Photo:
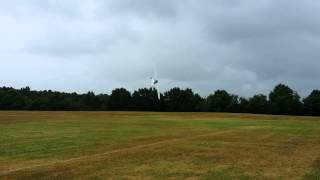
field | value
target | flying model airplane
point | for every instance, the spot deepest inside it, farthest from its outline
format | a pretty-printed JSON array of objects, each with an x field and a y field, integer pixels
[{"x": 155, "y": 81}]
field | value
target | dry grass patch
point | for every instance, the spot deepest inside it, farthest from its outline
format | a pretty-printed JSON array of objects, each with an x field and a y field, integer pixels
[{"x": 134, "y": 145}]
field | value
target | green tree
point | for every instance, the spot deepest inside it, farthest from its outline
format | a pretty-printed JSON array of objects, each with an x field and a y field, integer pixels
[
  {"x": 258, "y": 104},
  {"x": 91, "y": 101},
  {"x": 284, "y": 100},
  {"x": 104, "y": 99},
  {"x": 120, "y": 100},
  {"x": 312, "y": 104},
  {"x": 199, "y": 103},
  {"x": 243, "y": 105},
  {"x": 181, "y": 100},
  {"x": 222, "y": 101},
  {"x": 145, "y": 99}
]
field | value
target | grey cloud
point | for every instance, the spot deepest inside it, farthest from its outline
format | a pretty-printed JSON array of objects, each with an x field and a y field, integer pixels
[
  {"x": 245, "y": 46},
  {"x": 62, "y": 42},
  {"x": 143, "y": 8},
  {"x": 279, "y": 38}
]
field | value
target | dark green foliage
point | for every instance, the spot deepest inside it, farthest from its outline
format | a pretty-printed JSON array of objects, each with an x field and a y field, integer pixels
[
  {"x": 104, "y": 100},
  {"x": 243, "y": 105},
  {"x": 258, "y": 104},
  {"x": 199, "y": 103},
  {"x": 91, "y": 101},
  {"x": 120, "y": 99},
  {"x": 222, "y": 101},
  {"x": 282, "y": 100},
  {"x": 11, "y": 99},
  {"x": 181, "y": 100},
  {"x": 146, "y": 100},
  {"x": 312, "y": 103},
  {"x": 25, "y": 99}
]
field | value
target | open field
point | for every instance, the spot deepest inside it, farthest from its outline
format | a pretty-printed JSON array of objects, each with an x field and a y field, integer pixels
[{"x": 134, "y": 145}]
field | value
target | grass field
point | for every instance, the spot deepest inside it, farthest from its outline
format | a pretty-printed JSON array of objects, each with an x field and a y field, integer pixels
[{"x": 134, "y": 145}]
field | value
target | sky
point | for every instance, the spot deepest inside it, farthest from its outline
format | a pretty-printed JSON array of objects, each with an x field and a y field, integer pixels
[{"x": 243, "y": 46}]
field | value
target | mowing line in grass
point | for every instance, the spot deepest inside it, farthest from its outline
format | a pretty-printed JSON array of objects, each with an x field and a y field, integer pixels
[{"x": 113, "y": 152}]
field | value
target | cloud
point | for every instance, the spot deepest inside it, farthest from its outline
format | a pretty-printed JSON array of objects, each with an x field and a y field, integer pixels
[{"x": 245, "y": 46}]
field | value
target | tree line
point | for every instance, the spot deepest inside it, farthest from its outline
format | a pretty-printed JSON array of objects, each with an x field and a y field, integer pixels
[{"x": 281, "y": 100}]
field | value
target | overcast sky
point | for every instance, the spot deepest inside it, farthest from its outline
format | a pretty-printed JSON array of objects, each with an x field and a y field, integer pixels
[{"x": 243, "y": 46}]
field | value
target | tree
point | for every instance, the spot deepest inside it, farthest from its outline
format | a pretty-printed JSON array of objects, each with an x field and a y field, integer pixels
[
  {"x": 258, "y": 104},
  {"x": 120, "y": 100},
  {"x": 91, "y": 101},
  {"x": 234, "y": 103},
  {"x": 222, "y": 101},
  {"x": 284, "y": 100},
  {"x": 12, "y": 99},
  {"x": 180, "y": 100},
  {"x": 199, "y": 103},
  {"x": 243, "y": 105},
  {"x": 104, "y": 99},
  {"x": 145, "y": 99},
  {"x": 312, "y": 103}
]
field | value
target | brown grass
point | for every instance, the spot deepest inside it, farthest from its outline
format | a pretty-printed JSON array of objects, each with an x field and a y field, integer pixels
[{"x": 262, "y": 147}]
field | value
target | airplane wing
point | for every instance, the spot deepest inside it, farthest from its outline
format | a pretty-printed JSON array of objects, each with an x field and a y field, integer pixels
[{"x": 158, "y": 92}]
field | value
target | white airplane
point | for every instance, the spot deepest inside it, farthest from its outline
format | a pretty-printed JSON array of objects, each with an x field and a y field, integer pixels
[{"x": 155, "y": 81}]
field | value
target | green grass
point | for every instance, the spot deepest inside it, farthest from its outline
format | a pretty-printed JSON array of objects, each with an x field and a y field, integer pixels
[{"x": 125, "y": 145}]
